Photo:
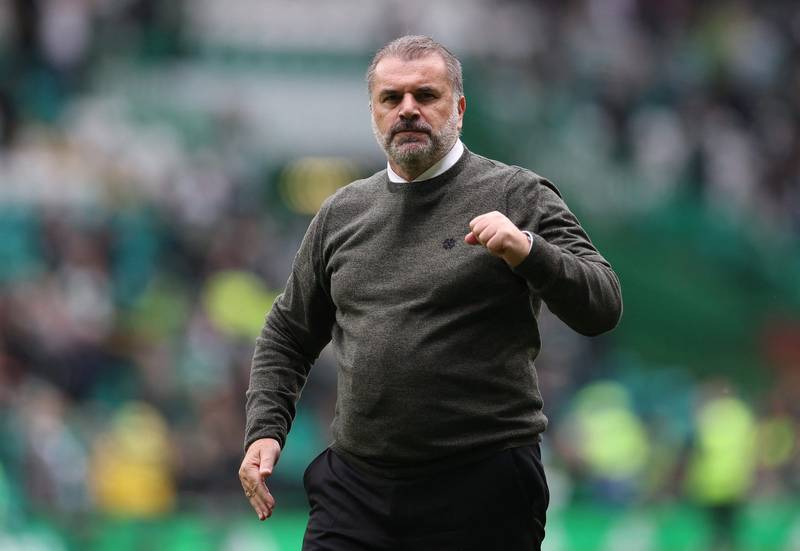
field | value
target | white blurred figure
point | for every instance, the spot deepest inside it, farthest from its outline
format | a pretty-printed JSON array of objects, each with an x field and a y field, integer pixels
[{"x": 65, "y": 32}]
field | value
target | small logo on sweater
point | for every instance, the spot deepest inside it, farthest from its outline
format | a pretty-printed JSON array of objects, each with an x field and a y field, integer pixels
[{"x": 449, "y": 243}]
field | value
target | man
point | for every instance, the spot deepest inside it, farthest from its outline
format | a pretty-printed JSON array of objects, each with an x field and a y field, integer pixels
[{"x": 438, "y": 413}]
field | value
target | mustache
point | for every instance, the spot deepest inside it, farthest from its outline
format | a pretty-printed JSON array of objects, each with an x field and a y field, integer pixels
[{"x": 410, "y": 126}]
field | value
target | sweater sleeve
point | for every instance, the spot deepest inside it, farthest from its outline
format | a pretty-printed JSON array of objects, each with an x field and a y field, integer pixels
[
  {"x": 563, "y": 267},
  {"x": 295, "y": 331}
]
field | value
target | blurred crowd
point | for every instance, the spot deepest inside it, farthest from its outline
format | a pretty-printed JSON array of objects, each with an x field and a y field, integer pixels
[
  {"x": 139, "y": 253},
  {"x": 660, "y": 98}
]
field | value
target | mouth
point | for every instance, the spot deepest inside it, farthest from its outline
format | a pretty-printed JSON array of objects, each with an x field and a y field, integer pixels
[{"x": 406, "y": 136}]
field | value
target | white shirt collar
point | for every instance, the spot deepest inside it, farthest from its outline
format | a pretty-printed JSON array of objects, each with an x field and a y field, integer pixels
[{"x": 444, "y": 164}]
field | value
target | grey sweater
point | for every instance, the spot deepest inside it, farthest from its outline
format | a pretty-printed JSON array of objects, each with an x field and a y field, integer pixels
[{"x": 435, "y": 339}]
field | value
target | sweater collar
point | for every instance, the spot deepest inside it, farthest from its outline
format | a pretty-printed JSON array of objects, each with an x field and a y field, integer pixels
[{"x": 430, "y": 185}]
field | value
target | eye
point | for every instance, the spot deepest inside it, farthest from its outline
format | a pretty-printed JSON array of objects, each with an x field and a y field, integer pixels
[
  {"x": 390, "y": 98},
  {"x": 426, "y": 96}
]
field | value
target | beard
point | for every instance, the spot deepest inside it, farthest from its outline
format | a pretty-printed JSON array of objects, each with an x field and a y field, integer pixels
[{"x": 415, "y": 152}]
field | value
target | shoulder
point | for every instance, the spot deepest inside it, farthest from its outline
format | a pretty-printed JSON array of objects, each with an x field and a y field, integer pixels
[
  {"x": 518, "y": 179},
  {"x": 354, "y": 197},
  {"x": 479, "y": 163},
  {"x": 527, "y": 181}
]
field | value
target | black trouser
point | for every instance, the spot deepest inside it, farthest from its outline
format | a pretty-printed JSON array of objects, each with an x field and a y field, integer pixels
[{"x": 497, "y": 503}]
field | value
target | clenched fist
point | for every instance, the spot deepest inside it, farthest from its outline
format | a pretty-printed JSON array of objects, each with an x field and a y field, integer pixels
[
  {"x": 500, "y": 237},
  {"x": 257, "y": 465}
]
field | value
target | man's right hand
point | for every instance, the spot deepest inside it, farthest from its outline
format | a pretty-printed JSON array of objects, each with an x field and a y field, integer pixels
[{"x": 257, "y": 465}]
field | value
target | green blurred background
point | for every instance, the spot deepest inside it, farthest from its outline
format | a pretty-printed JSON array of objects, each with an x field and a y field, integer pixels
[{"x": 160, "y": 161}]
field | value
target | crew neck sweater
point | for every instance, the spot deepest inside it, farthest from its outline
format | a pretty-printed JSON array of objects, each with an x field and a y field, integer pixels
[{"x": 434, "y": 339}]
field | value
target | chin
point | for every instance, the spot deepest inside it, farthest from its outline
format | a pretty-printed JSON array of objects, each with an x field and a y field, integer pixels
[
  {"x": 411, "y": 152},
  {"x": 414, "y": 146}
]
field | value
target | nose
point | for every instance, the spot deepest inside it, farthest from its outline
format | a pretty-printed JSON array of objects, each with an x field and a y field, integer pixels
[{"x": 409, "y": 108}]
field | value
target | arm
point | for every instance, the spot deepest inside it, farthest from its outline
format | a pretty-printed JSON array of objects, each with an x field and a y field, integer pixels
[
  {"x": 297, "y": 328},
  {"x": 560, "y": 264},
  {"x": 563, "y": 267}
]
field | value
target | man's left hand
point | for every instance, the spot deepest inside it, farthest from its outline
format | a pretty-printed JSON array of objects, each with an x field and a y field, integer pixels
[{"x": 500, "y": 237}]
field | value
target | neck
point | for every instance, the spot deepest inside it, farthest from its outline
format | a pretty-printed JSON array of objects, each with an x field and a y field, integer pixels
[{"x": 410, "y": 171}]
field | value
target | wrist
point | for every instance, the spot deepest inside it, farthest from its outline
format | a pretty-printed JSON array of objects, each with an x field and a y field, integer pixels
[
  {"x": 269, "y": 441},
  {"x": 529, "y": 235},
  {"x": 519, "y": 249}
]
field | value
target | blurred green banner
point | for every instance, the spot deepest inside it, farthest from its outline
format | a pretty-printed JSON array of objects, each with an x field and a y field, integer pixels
[{"x": 759, "y": 527}]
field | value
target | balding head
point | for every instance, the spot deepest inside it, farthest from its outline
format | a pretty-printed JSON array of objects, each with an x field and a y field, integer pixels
[{"x": 412, "y": 47}]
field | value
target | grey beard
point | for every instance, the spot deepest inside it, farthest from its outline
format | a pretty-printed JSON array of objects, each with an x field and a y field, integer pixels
[{"x": 418, "y": 158}]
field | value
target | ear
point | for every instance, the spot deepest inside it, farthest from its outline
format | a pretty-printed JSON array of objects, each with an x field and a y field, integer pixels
[{"x": 462, "y": 107}]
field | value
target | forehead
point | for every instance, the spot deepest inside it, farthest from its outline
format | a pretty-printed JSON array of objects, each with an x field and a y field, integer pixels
[{"x": 394, "y": 72}]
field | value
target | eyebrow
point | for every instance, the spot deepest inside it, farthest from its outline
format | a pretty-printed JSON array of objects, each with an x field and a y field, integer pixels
[
  {"x": 422, "y": 89},
  {"x": 427, "y": 90}
]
